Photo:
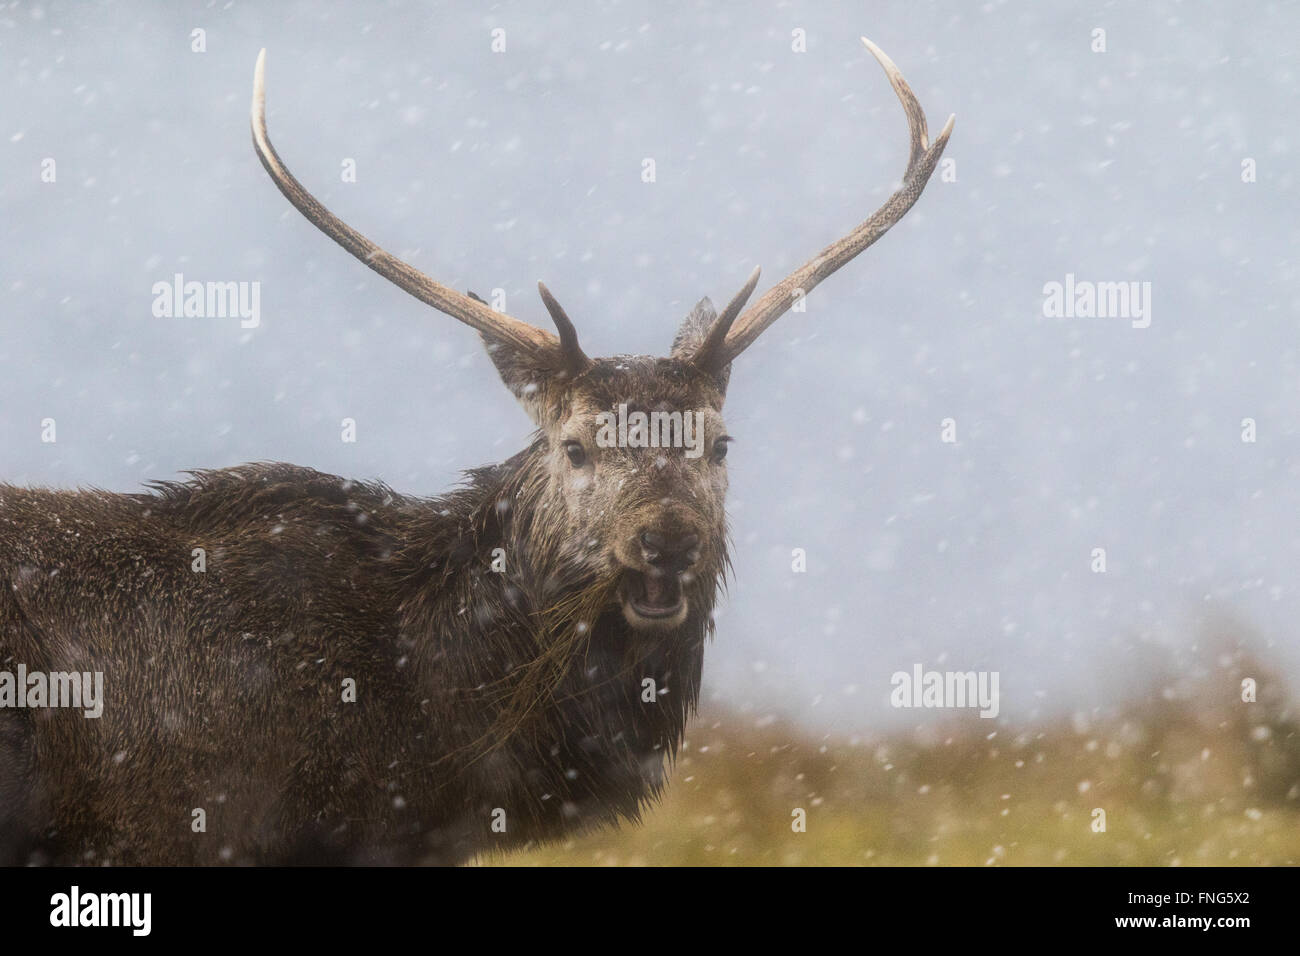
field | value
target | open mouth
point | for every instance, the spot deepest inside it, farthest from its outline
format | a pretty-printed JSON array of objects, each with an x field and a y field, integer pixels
[{"x": 652, "y": 597}]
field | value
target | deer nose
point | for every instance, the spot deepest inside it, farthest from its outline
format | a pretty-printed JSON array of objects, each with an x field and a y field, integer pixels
[{"x": 670, "y": 552}]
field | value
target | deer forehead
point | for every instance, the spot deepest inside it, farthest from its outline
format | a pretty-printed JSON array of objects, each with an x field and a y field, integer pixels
[
  {"x": 645, "y": 384},
  {"x": 695, "y": 424}
]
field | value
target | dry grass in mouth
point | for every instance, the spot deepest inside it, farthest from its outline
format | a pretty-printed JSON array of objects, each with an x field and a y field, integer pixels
[{"x": 563, "y": 637}]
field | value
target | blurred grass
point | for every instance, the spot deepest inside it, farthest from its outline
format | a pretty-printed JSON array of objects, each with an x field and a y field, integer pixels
[{"x": 1186, "y": 772}]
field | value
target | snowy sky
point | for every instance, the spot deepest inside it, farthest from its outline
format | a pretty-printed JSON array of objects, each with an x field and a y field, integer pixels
[{"x": 493, "y": 170}]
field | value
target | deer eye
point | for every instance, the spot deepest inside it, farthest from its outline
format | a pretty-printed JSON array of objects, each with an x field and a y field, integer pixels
[
  {"x": 720, "y": 448},
  {"x": 577, "y": 454}
]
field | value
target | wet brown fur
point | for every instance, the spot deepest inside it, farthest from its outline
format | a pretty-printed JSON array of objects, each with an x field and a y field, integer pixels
[{"x": 477, "y": 691}]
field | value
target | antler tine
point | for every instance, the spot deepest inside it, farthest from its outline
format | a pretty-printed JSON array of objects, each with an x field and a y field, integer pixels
[
  {"x": 477, "y": 315},
  {"x": 916, "y": 126},
  {"x": 711, "y": 355},
  {"x": 921, "y": 162},
  {"x": 575, "y": 359}
]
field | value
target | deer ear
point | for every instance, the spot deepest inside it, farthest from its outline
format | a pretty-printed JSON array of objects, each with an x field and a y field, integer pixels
[
  {"x": 536, "y": 380},
  {"x": 538, "y": 385},
  {"x": 692, "y": 333}
]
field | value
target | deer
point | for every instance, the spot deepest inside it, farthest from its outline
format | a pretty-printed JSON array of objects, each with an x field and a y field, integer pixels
[{"x": 349, "y": 675}]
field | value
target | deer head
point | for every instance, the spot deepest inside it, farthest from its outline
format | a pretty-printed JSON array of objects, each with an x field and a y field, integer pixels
[{"x": 648, "y": 517}]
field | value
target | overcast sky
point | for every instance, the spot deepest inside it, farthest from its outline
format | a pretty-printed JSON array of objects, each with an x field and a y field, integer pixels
[{"x": 491, "y": 170}]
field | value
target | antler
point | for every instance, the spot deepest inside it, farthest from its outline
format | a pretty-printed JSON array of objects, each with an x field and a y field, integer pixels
[
  {"x": 538, "y": 343},
  {"x": 741, "y": 333}
]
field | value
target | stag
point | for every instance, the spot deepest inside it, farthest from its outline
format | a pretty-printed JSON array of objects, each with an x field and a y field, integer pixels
[{"x": 359, "y": 676}]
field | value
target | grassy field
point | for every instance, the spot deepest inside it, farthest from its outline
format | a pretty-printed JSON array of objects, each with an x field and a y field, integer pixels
[{"x": 1185, "y": 776}]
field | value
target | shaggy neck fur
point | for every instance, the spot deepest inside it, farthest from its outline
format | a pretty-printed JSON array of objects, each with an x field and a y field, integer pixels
[{"x": 558, "y": 708}]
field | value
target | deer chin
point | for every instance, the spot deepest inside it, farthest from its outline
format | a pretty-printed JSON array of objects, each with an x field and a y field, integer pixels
[{"x": 652, "y": 601}]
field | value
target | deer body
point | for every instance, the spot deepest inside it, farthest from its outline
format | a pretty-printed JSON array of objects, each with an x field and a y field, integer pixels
[
  {"x": 301, "y": 668},
  {"x": 224, "y": 688}
]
